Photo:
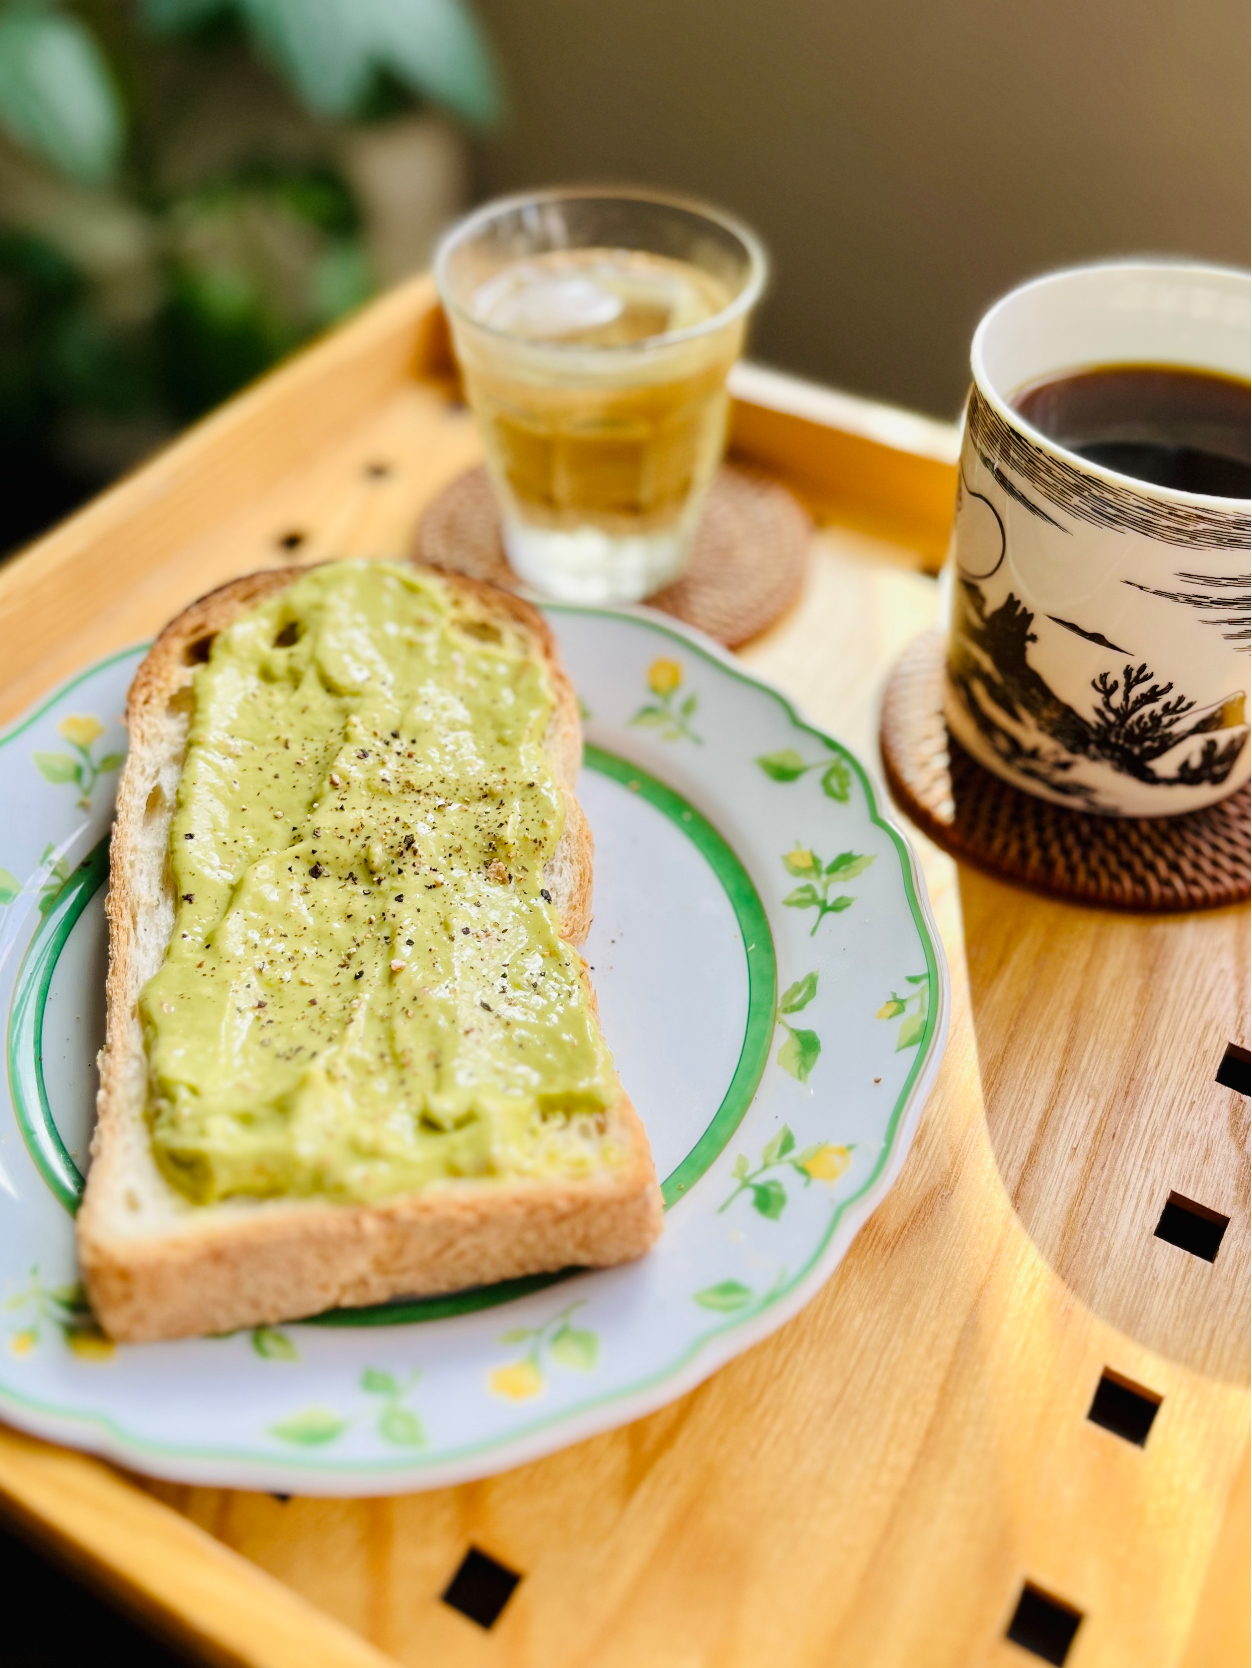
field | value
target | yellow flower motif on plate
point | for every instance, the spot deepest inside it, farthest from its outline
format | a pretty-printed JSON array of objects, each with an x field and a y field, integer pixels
[
  {"x": 664, "y": 676},
  {"x": 827, "y": 1163},
  {"x": 518, "y": 1381},
  {"x": 80, "y": 729},
  {"x": 801, "y": 861},
  {"x": 90, "y": 1345},
  {"x": 21, "y": 1343}
]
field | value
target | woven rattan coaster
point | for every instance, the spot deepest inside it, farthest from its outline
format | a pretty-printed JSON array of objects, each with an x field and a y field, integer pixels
[
  {"x": 747, "y": 559},
  {"x": 1195, "y": 861}
]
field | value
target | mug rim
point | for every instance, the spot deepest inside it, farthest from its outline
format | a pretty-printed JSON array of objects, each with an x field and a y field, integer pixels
[
  {"x": 758, "y": 264},
  {"x": 984, "y": 385}
]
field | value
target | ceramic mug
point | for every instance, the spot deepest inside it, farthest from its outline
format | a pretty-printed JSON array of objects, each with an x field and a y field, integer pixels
[{"x": 1098, "y": 643}]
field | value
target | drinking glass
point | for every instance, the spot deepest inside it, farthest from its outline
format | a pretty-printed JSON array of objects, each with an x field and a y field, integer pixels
[{"x": 595, "y": 330}]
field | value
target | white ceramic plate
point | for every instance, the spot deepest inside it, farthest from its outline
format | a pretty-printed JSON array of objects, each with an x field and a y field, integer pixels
[{"x": 773, "y": 989}]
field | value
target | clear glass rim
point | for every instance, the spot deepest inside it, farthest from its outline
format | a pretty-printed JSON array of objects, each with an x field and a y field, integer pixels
[{"x": 758, "y": 264}]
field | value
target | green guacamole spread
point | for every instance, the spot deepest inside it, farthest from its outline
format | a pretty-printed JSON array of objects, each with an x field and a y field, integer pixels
[{"x": 366, "y": 991}]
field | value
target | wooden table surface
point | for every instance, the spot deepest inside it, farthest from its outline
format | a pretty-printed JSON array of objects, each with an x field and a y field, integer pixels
[{"x": 872, "y": 1485}]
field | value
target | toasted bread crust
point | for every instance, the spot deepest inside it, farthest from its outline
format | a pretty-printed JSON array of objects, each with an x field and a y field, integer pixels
[{"x": 253, "y": 1262}]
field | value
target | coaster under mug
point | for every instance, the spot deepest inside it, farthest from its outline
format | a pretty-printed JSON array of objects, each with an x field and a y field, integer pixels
[
  {"x": 1152, "y": 864},
  {"x": 748, "y": 556}
]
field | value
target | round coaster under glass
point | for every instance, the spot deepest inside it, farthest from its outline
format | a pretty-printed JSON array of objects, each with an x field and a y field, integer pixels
[
  {"x": 1153, "y": 864},
  {"x": 748, "y": 556}
]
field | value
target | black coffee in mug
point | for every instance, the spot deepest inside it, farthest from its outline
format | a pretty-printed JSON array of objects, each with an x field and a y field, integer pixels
[{"x": 1165, "y": 424}]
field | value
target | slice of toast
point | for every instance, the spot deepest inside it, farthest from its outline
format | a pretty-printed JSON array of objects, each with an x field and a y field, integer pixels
[{"x": 157, "y": 1266}]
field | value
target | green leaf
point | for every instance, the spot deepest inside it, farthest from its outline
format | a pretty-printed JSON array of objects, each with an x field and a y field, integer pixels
[
  {"x": 911, "y": 1031},
  {"x": 836, "y": 906},
  {"x": 804, "y": 897},
  {"x": 57, "y": 767},
  {"x": 436, "y": 48},
  {"x": 57, "y": 97},
  {"x": 575, "y": 1348},
  {"x": 315, "y": 47},
  {"x": 688, "y": 705},
  {"x": 917, "y": 978},
  {"x": 778, "y": 1146},
  {"x": 837, "y": 782},
  {"x": 783, "y": 767},
  {"x": 111, "y": 761},
  {"x": 651, "y": 715},
  {"x": 799, "y": 1054},
  {"x": 272, "y": 1345},
  {"x": 741, "y": 1167},
  {"x": 770, "y": 1198},
  {"x": 398, "y": 1425},
  {"x": 726, "y": 1295},
  {"x": 331, "y": 50},
  {"x": 798, "y": 995},
  {"x": 848, "y": 865},
  {"x": 73, "y": 1299},
  {"x": 379, "y": 1383},
  {"x": 518, "y": 1335},
  {"x": 311, "y": 1428},
  {"x": 10, "y": 886}
]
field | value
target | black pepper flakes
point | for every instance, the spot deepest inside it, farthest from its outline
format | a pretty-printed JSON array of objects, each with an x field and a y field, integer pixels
[{"x": 189, "y": 897}]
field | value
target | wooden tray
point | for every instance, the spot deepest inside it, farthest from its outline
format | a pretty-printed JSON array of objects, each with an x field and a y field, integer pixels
[{"x": 874, "y": 1484}]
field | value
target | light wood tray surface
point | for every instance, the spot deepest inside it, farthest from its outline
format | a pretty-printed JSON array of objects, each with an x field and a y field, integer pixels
[{"x": 874, "y": 1483}]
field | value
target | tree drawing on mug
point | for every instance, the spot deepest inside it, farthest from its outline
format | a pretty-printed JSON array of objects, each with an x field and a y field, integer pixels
[{"x": 1137, "y": 725}]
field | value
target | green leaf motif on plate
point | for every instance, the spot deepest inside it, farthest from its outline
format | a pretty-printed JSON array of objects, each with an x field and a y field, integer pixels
[
  {"x": 399, "y": 1425},
  {"x": 801, "y": 1049},
  {"x": 554, "y": 1343},
  {"x": 912, "y": 1009},
  {"x": 823, "y": 1161},
  {"x": 667, "y": 714},
  {"x": 798, "y": 995},
  {"x": 787, "y": 765},
  {"x": 725, "y": 1297},
  {"x": 272, "y": 1345},
  {"x": 837, "y": 782},
  {"x": 770, "y": 1198},
  {"x": 82, "y": 731},
  {"x": 575, "y": 1347},
  {"x": 777, "y": 1147},
  {"x": 820, "y": 877},
  {"x": 379, "y": 1383},
  {"x": 57, "y": 767},
  {"x": 784, "y": 766},
  {"x": 800, "y": 1053},
  {"x": 312, "y": 1428},
  {"x": 10, "y": 886}
]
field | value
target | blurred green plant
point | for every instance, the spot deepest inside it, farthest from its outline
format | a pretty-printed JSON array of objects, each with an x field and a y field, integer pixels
[{"x": 176, "y": 207}]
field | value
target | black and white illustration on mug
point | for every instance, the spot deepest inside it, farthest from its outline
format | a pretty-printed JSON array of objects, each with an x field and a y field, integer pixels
[{"x": 1113, "y": 682}]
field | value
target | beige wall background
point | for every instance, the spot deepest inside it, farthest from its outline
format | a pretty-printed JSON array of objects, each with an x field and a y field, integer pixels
[{"x": 906, "y": 160}]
